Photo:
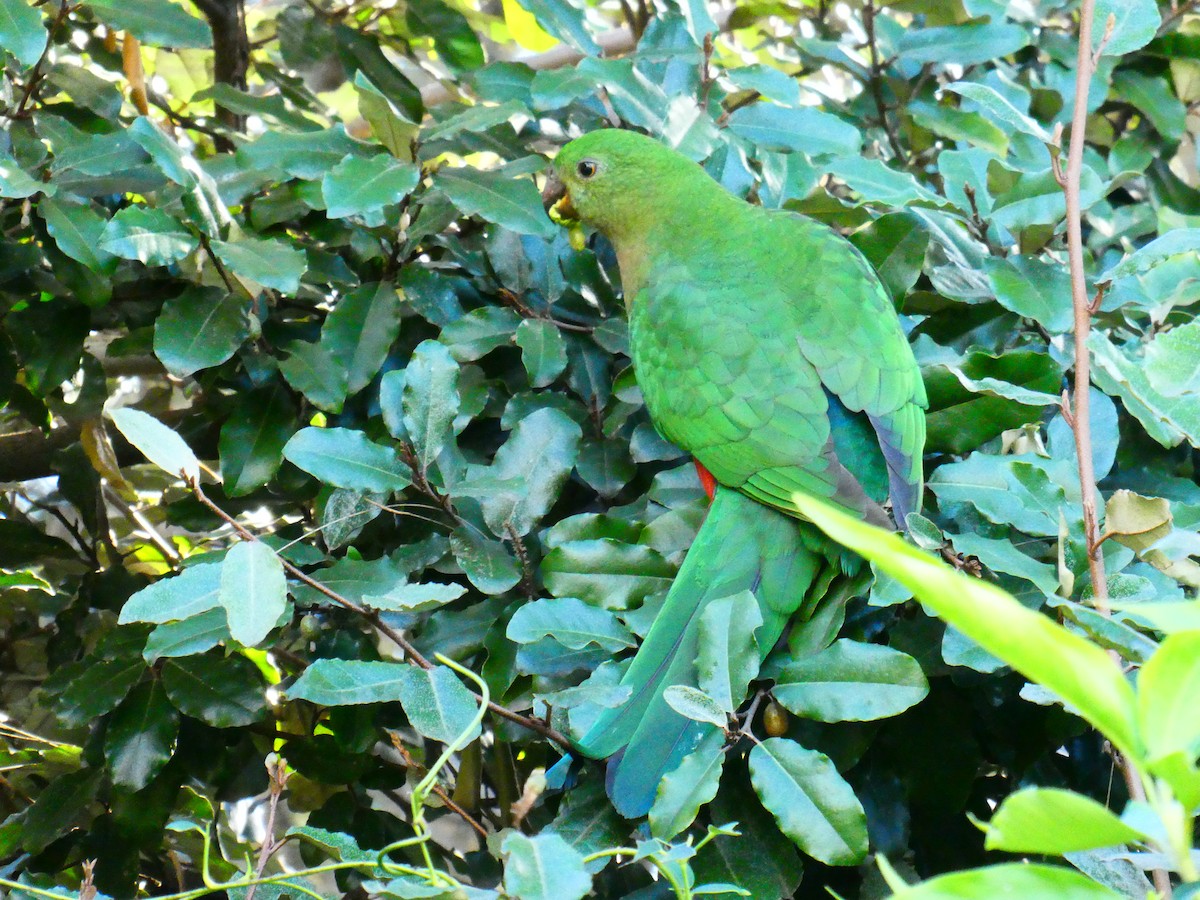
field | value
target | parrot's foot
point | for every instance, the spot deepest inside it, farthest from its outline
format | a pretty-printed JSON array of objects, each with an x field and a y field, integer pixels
[{"x": 962, "y": 562}]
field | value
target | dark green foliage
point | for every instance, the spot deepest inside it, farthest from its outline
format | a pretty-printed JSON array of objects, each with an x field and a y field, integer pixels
[{"x": 418, "y": 394}]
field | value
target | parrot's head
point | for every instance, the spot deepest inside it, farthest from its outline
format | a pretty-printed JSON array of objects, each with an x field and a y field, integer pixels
[{"x": 619, "y": 181}]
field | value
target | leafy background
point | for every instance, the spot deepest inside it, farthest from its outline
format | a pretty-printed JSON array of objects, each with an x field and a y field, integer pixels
[{"x": 318, "y": 256}]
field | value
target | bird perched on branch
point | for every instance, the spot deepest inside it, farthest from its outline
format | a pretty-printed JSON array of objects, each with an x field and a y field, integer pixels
[{"x": 766, "y": 346}]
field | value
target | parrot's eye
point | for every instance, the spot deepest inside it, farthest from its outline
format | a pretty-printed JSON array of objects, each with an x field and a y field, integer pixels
[{"x": 587, "y": 168}]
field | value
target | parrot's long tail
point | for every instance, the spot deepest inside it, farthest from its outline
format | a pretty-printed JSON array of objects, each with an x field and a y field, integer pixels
[{"x": 741, "y": 546}]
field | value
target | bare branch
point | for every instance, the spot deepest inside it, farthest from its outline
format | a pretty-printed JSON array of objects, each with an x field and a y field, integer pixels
[{"x": 1080, "y": 417}]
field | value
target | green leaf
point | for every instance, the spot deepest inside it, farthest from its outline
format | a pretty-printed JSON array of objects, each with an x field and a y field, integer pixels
[
  {"x": 1167, "y": 687},
  {"x": 1173, "y": 360},
  {"x": 545, "y": 442},
  {"x": 1155, "y": 99},
  {"x": 1033, "y": 289},
  {"x": 1035, "y": 198},
  {"x": 692, "y": 703},
  {"x": 77, "y": 230},
  {"x": 161, "y": 445},
  {"x": 1029, "y": 880},
  {"x": 762, "y": 860},
  {"x": 1000, "y": 108},
  {"x": 147, "y": 235},
  {"x": 21, "y": 31},
  {"x": 807, "y": 130},
  {"x": 253, "y": 591},
  {"x": 452, "y": 34},
  {"x": 390, "y": 125},
  {"x": 167, "y": 155},
  {"x": 479, "y": 332},
  {"x": 187, "y": 637},
  {"x": 1166, "y": 419},
  {"x": 688, "y": 787},
  {"x": 851, "y": 681},
  {"x": 273, "y": 264},
  {"x": 99, "y": 689},
  {"x": 542, "y": 351},
  {"x": 313, "y": 370},
  {"x": 1171, "y": 244},
  {"x": 140, "y": 736},
  {"x": 415, "y": 597},
  {"x": 1135, "y": 24},
  {"x": 894, "y": 245},
  {"x": 1051, "y": 821},
  {"x": 1076, "y": 670},
  {"x": 345, "y": 458},
  {"x": 811, "y": 802},
  {"x": 439, "y": 706},
  {"x": 434, "y": 700},
  {"x": 543, "y": 867},
  {"x": 60, "y": 805},
  {"x": 193, "y": 591},
  {"x": 511, "y": 203},
  {"x": 569, "y": 621},
  {"x": 340, "y": 682},
  {"x": 360, "y": 331},
  {"x": 159, "y": 23},
  {"x": 728, "y": 654},
  {"x": 15, "y": 182},
  {"x": 978, "y": 396},
  {"x": 359, "y": 185},
  {"x": 253, "y": 437},
  {"x": 225, "y": 693},
  {"x": 308, "y": 156},
  {"x": 354, "y": 579},
  {"x": 487, "y": 564},
  {"x": 606, "y": 572},
  {"x": 430, "y": 400},
  {"x": 565, "y": 21},
  {"x": 965, "y": 45},
  {"x": 876, "y": 182},
  {"x": 200, "y": 328}
]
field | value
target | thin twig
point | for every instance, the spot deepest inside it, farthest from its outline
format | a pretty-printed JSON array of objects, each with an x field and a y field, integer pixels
[
  {"x": 876, "y": 83},
  {"x": 438, "y": 790},
  {"x": 204, "y": 242},
  {"x": 1080, "y": 419},
  {"x": 35, "y": 74},
  {"x": 372, "y": 616},
  {"x": 527, "y": 584},
  {"x": 165, "y": 547},
  {"x": 278, "y": 775}
]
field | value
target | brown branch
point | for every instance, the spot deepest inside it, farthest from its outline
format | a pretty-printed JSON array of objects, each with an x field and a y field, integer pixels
[
  {"x": 527, "y": 584},
  {"x": 438, "y": 790},
  {"x": 1080, "y": 418},
  {"x": 35, "y": 74},
  {"x": 231, "y": 56},
  {"x": 876, "y": 83},
  {"x": 1082, "y": 308},
  {"x": 373, "y": 617},
  {"x": 278, "y": 774}
]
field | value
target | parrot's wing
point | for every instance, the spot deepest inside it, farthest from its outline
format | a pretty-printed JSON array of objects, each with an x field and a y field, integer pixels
[
  {"x": 847, "y": 328},
  {"x": 725, "y": 378}
]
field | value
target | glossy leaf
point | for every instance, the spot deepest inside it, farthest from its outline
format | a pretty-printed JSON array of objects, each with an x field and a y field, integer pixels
[
  {"x": 253, "y": 591},
  {"x": 851, "y": 681},
  {"x": 811, "y": 802},
  {"x": 160, "y": 444},
  {"x": 345, "y": 458}
]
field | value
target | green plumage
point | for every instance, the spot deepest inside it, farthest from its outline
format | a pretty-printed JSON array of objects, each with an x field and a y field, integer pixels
[{"x": 766, "y": 346}]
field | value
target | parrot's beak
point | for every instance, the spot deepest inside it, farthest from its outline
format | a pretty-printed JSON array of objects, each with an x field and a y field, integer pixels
[{"x": 556, "y": 198}]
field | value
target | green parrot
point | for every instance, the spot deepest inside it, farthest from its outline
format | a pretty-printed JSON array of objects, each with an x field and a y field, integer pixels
[{"x": 766, "y": 346}]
